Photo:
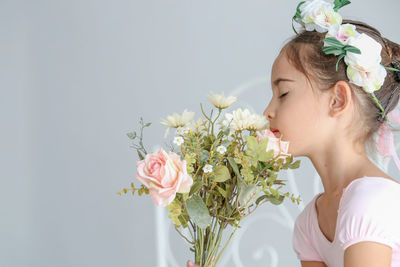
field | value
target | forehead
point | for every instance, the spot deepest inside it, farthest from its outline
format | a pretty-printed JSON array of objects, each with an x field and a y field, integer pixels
[{"x": 283, "y": 68}]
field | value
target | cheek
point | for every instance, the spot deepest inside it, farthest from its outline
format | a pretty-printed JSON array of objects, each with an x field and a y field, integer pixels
[{"x": 298, "y": 121}]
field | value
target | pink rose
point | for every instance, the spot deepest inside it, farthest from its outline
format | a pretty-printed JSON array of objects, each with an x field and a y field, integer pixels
[
  {"x": 165, "y": 175},
  {"x": 274, "y": 143}
]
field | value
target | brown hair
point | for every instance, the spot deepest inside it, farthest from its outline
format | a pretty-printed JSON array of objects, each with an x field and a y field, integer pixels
[{"x": 304, "y": 51}]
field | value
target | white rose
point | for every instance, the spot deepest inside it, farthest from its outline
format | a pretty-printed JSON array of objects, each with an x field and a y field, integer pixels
[
  {"x": 370, "y": 55},
  {"x": 370, "y": 80},
  {"x": 319, "y": 15}
]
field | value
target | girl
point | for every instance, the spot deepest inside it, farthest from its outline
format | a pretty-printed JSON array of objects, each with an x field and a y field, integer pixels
[{"x": 331, "y": 120}]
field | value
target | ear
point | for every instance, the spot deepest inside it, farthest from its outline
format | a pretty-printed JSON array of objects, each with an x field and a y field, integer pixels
[{"x": 341, "y": 98}]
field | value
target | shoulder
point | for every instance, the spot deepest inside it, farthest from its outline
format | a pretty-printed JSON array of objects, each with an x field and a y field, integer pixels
[
  {"x": 369, "y": 195},
  {"x": 369, "y": 212}
]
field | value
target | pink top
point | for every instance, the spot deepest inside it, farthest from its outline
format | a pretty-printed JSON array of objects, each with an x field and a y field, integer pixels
[{"x": 369, "y": 210}]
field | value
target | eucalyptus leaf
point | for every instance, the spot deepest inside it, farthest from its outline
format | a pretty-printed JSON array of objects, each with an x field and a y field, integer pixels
[{"x": 198, "y": 211}]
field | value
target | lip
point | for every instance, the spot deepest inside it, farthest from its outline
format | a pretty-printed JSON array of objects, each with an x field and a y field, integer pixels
[{"x": 273, "y": 130}]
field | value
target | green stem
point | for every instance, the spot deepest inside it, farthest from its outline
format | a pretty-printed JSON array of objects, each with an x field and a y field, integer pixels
[
  {"x": 219, "y": 255},
  {"x": 212, "y": 127}
]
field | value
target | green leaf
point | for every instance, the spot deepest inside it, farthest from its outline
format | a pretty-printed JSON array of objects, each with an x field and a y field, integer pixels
[
  {"x": 222, "y": 192},
  {"x": 337, "y": 63},
  {"x": 221, "y": 173},
  {"x": 393, "y": 69},
  {"x": 235, "y": 168},
  {"x": 340, "y": 3},
  {"x": 333, "y": 51},
  {"x": 147, "y": 124},
  {"x": 198, "y": 211},
  {"x": 333, "y": 41},
  {"x": 297, "y": 15},
  {"x": 131, "y": 135},
  {"x": 295, "y": 165},
  {"x": 248, "y": 195},
  {"x": 352, "y": 49},
  {"x": 274, "y": 200},
  {"x": 196, "y": 186},
  {"x": 260, "y": 199}
]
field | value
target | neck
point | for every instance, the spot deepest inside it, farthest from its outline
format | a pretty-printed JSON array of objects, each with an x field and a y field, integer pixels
[{"x": 338, "y": 163}]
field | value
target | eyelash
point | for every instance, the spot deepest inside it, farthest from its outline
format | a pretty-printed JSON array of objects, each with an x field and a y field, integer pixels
[{"x": 281, "y": 96}]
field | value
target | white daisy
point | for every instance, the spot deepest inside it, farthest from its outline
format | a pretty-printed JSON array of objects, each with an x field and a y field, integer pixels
[
  {"x": 221, "y": 149},
  {"x": 220, "y": 101},
  {"x": 207, "y": 168},
  {"x": 178, "y": 140},
  {"x": 179, "y": 131}
]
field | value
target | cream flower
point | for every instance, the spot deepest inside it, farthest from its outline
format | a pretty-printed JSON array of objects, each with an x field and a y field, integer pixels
[
  {"x": 220, "y": 101},
  {"x": 175, "y": 120},
  {"x": 244, "y": 120},
  {"x": 319, "y": 15}
]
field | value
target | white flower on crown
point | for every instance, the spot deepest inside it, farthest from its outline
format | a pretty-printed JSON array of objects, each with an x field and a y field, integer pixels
[
  {"x": 342, "y": 32},
  {"x": 319, "y": 15},
  {"x": 365, "y": 69}
]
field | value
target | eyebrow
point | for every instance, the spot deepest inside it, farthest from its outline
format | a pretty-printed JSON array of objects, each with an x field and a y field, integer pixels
[{"x": 277, "y": 81}]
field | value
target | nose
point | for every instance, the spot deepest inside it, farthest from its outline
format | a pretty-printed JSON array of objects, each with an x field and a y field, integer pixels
[{"x": 268, "y": 113}]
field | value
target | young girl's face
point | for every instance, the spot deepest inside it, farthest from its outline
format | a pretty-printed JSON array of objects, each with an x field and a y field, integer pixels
[{"x": 294, "y": 110}]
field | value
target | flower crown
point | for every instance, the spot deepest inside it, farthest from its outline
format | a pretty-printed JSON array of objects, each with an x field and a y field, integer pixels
[{"x": 361, "y": 53}]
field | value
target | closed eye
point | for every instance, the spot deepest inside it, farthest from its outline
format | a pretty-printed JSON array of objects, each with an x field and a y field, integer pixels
[{"x": 281, "y": 96}]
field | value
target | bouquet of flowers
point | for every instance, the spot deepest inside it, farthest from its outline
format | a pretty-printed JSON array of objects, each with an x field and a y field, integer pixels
[{"x": 215, "y": 179}]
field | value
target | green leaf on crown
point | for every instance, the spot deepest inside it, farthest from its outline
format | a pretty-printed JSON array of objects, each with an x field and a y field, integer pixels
[
  {"x": 340, "y": 3},
  {"x": 297, "y": 15}
]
